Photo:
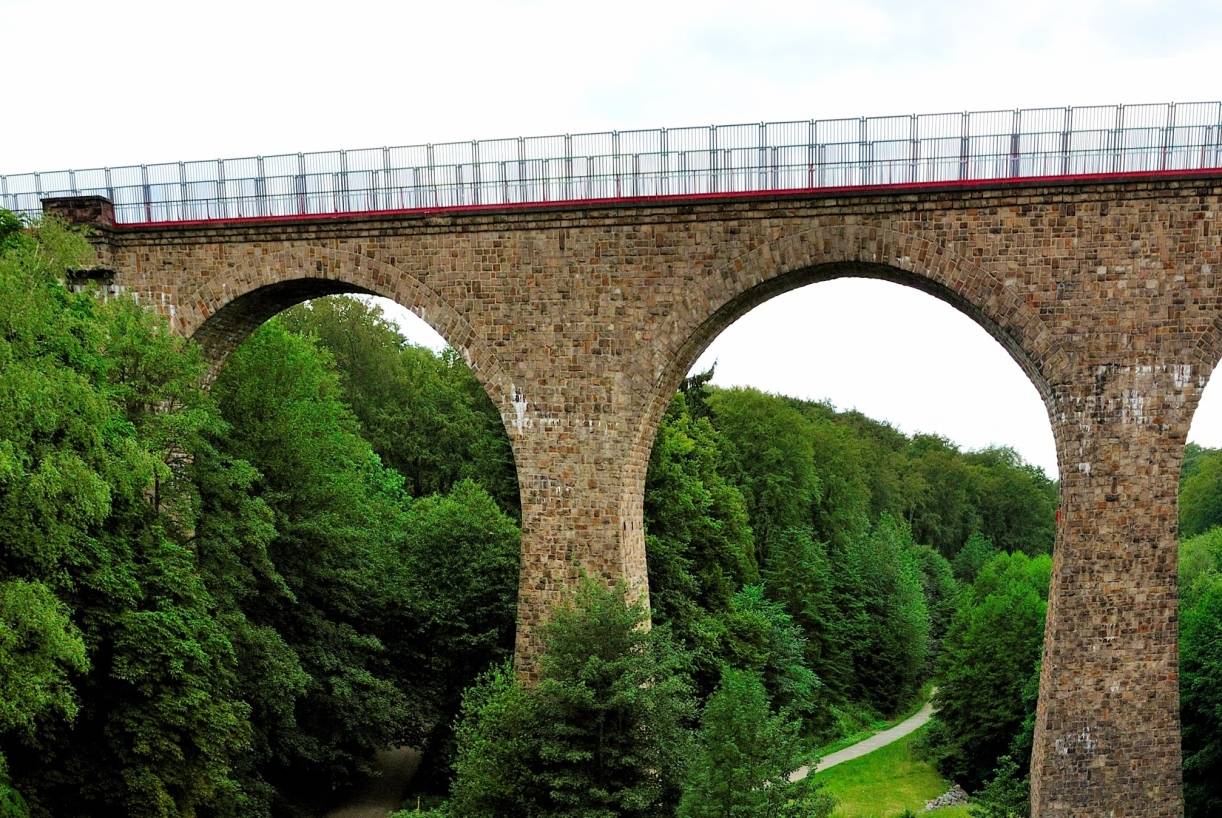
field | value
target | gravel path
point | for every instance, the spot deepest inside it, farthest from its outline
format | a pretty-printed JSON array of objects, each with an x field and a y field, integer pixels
[
  {"x": 382, "y": 794},
  {"x": 866, "y": 746}
]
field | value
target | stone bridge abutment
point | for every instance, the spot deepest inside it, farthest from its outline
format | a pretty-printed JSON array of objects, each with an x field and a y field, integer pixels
[{"x": 580, "y": 321}]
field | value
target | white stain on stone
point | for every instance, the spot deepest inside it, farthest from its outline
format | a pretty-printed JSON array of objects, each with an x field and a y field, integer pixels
[
  {"x": 519, "y": 408},
  {"x": 1081, "y": 741}
]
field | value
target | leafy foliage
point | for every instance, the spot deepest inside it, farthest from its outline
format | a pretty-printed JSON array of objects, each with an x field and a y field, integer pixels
[
  {"x": 988, "y": 659},
  {"x": 602, "y": 734},
  {"x": 746, "y": 753}
]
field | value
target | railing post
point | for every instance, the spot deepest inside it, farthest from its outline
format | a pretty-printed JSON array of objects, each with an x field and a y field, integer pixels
[
  {"x": 568, "y": 167},
  {"x": 866, "y": 172},
  {"x": 221, "y": 206},
  {"x": 504, "y": 184},
  {"x": 261, "y": 187},
  {"x": 182, "y": 191},
  {"x": 475, "y": 172},
  {"x": 4, "y": 193},
  {"x": 521, "y": 164},
  {"x": 1118, "y": 141},
  {"x": 144, "y": 189},
  {"x": 72, "y": 182},
  {"x": 1016, "y": 128},
  {"x": 345, "y": 200},
  {"x": 301, "y": 184},
  {"x": 963, "y": 146},
  {"x": 914, "y": 147},
  {"x": 1065, "y": 131},
  {"x": 384, "y": 200},
  {"x": 428, "y": 152},
  {"x": 821, "y": 164},
  {"x": 664, "y": 162},
  {"x": 762, "y": 171},
  {"x": 1168, "y": 131},
  {"x": 615, "y": 161},
  {"x": 110, "y": 188},
  {"x": 1218, "y": 139},
  {"x": 713, "y": 171},
  {"x": 810, "y": 153}
]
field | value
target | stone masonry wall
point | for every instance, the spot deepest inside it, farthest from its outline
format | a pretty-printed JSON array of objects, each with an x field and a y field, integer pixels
[{"x": 580, "y": 322}]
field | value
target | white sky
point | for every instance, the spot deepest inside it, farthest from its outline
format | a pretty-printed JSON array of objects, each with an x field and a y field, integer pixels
[{"x": 93, "y": 84}]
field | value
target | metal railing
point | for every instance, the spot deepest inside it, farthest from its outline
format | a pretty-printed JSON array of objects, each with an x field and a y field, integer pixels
[{"x": 765, "y": 156}]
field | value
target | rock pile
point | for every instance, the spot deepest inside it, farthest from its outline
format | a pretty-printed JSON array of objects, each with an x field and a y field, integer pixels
[{"x": 955, "y": 795}]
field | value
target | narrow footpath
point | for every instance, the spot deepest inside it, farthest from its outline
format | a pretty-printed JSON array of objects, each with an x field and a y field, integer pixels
[
  {"x": 869, "y": 745},
  {"x": 384, "y": 792}
]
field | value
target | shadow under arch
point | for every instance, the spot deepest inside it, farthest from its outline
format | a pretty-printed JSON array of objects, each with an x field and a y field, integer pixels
[{"x": 995, "y": 303}]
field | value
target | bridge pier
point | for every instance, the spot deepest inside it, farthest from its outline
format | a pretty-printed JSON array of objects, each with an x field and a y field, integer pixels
[{"x": 1107, "y": 734}]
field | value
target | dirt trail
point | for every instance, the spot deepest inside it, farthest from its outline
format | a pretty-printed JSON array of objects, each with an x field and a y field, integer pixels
[
  {"x": 866, "y": 746},
  {"x": 383, "y": 794}
]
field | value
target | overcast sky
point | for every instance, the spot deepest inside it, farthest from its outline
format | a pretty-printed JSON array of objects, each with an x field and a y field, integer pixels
[{"x": 91, "y": 84}]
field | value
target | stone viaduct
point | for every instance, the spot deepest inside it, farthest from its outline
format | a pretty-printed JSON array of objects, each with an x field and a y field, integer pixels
[{"x": 581, "y": 320}]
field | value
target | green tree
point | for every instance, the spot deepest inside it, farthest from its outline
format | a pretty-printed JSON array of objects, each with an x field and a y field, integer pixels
[
  {"x": 744, "y": 757},
  {"x": 425, "y": 414},
  {"x": 761, "y": 637},
  {"x": 770, "y": 457},
  {"x": 603, "y": 733},
  {"x": 1201, "y": 493},
  {"x": 800, "y": 576},
  {"x": 974, "y": 555},
  {"x": 987, "y": 662},
  {"x": 886, "y": 616},
  {"x": 1201, "y": 672}
]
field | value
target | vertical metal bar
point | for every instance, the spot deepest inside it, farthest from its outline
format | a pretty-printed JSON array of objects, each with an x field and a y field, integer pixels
[
  {"x": 914, "y": 147},
  {"x": 144, "y": 188},
  {"x": 866, "y": 171},
  {"x": 72, "y": 182},
  {"x": 664, "y": 162},
  {"x": 713, "y": 170},
  {"x": 221, "y": 208},
  {"x": 4, "y": 193},
  {"x": 432, "y": 173},
  {"x": 568, "y": 167},
  {"x": 762, "y": 173},
  {"x": 521, "y": 167},
  {"x": 504, "y": 185},
  {"x": 301, "y": 184},
  {"x": 1218, "y": 137},
  {"x": 182, "y": 191},
  {"x": 963, "y": 146},
  {"x": 110, "y": 188},
  {"x": 345, "y": 199},
  {"x": 475, "y": 172},
  {"x": 636, "y": 174},
  {"x": 1168, "y": 131},
  {"x": 387, "y": 179},
  {"x": 1016, "y": 128},
  {"x": 810, "y": 154},
  {"x": 261, "y": 187},
  {"x": 1118, "y": 141},
  {"x": 821, "y": 164},
  {"x": 1066, "y": 129},
  {"x": 615, "y": 161}
]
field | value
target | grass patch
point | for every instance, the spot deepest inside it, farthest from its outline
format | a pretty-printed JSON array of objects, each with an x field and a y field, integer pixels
[{"x": 886, "y": 782}]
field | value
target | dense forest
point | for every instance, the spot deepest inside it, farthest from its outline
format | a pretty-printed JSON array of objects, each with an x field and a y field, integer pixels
[{"x": 222, "y": 602}]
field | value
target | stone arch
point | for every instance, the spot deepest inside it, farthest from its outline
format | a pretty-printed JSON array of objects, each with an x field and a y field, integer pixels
[
  {"x": 224, "y": 310},
  {"x": 1000, "y": 304}
]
